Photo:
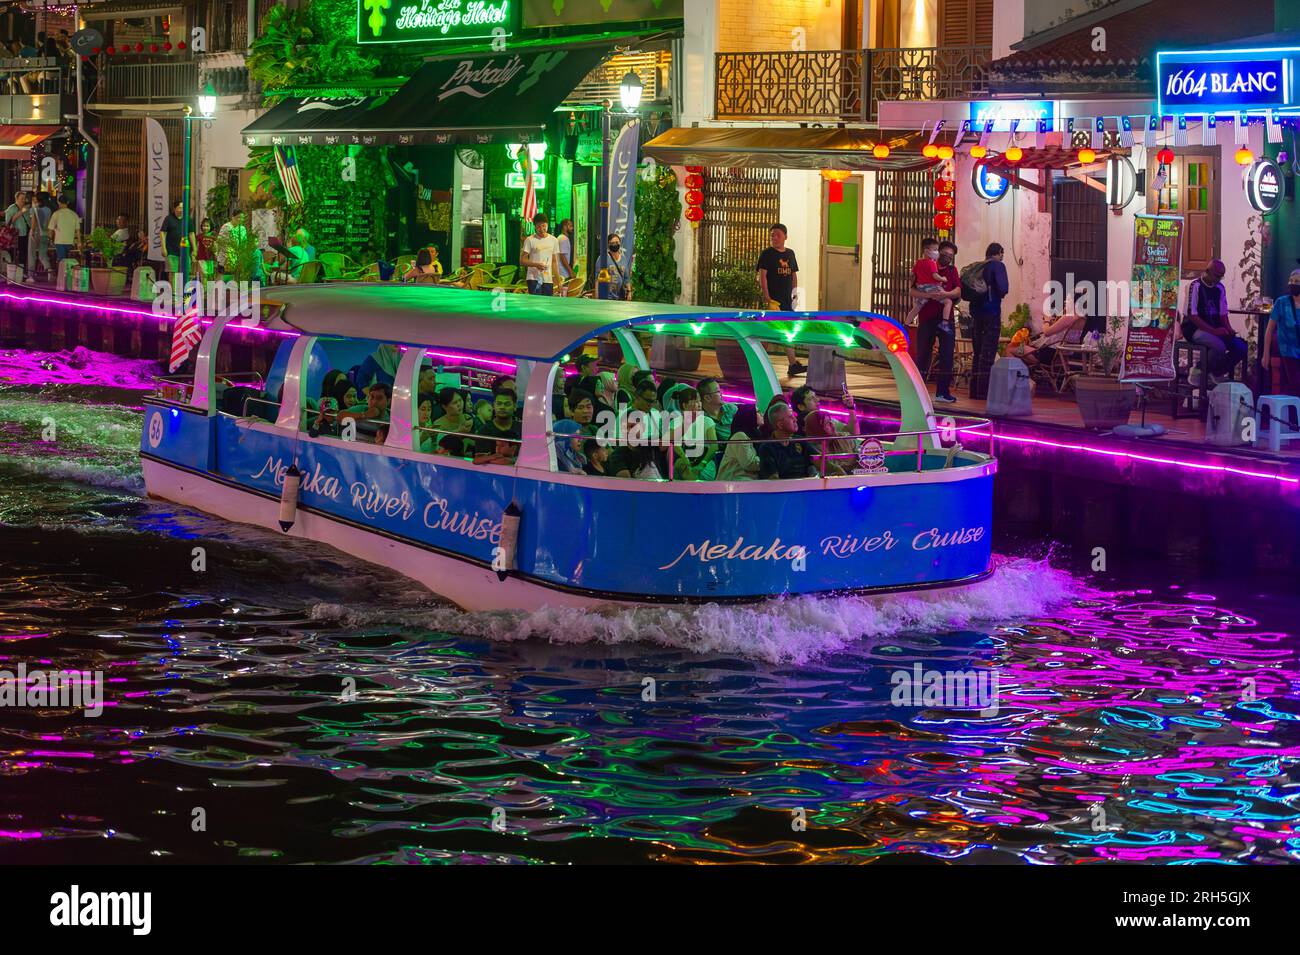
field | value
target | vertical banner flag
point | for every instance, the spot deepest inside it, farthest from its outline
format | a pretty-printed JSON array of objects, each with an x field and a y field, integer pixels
[
  {"x": 621, "y": 189},
  {"x": 1180, "y": 131},
  {"x": 1153, "y": 299},
  {"x": 1099, "y": 133},
  {"x": 530, "y": 189},
  {"x": 286, "y": 162},
  {"x": 1209, "y": 131},
  {"x": 156, "y": 171},
  {"x": 961, "y": 133},
  {"x": 581, "y": 205},
  {"x": 186, "y": 332},
  {"x": 986, "y": 132},
  {"x": 1040, "y": 134}
]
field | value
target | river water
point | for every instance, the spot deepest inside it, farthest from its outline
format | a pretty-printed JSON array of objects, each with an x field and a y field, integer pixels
[{"x": 286, "y": 703}]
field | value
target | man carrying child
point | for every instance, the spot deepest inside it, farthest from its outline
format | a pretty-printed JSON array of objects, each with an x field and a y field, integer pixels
[{"x": 937, "y": 286}]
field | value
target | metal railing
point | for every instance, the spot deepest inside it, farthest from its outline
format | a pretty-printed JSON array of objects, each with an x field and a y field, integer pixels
[
  {"x": 170, "y": 81},
  {"x": 843, "y": 85}
]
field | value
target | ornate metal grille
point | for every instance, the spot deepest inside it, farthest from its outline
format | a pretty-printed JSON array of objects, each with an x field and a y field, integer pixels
[
  {"x": 904, "y": 216},
  {"x": 740, "y": 206},
  {"x": 844, "y": 85}
]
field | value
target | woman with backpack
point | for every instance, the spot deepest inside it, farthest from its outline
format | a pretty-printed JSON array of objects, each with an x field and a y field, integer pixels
[{"x": 984, "y": 286}]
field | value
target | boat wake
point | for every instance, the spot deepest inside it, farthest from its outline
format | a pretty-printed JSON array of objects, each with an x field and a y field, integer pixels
[{"x": 789, "y": 630}]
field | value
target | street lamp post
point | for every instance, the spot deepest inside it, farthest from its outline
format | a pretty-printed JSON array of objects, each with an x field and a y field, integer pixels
[
  {"x": 629, "y": 94},
  {"x": 207, "y": 102}
]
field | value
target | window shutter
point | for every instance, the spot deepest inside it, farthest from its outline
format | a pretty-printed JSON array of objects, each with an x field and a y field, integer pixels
[{"x": 965, "y": 22}]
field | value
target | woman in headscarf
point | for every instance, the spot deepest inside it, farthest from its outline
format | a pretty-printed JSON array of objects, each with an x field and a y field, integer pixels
[
  {"x": 568, "y": 444},
  {"x": 626, "y": 371},
  {"x": 380, "y": 366},
  {"x": 607, "y": 393},
  {"x": 739, "y": 459}
]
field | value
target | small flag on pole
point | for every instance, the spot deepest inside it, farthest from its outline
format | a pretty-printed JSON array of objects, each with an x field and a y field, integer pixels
[
  {"x": 1209, "y": 131},
  {"x": 1040, "y": 134},
  {"x": 986, "y": 132},
  {"x": 1180, "y": 131},
  {"x": 286, "y": 163},
  {"x": 934, "y": 133},
  {"x": 186, "y": 333},
  {"x": 1125, "y": 132},
  {"x": 1099, "y": 133},
  {"x": 961, "y": 133},
  {"x": 1274, "y": 127},
  {"x": 1243, "y": 129}
]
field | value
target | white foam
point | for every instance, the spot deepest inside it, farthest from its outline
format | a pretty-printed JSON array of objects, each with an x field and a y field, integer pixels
[{"x": 786, "y": 630}]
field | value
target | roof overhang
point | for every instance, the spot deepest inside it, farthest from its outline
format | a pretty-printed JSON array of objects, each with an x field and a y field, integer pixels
[
  {"x": 17, "y": 141},
  {"x": 788, "y": 147}
]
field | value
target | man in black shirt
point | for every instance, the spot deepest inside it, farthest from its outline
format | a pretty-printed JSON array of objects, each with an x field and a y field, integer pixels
[
  {"x": 783, "y": 458},
  {"x": 778, "y": 276},
  {"x": 501, "y": 426},
  {"x": 171, "y": 236}
]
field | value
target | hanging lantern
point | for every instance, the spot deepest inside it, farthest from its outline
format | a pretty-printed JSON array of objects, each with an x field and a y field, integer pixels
[
  {"x": 978, "y": 152},
  {"x": 1244, "y": 156},
  {"x": 943, "y": 221},
  {"x": 945, "y": 185},
  {"x": 880, "y": 151},
  {"x": 694, "y": 181},
  {"x": 695, "y": 169},
  {"x": 1165, "y": 156},
  {"x": 836, "y": 177},
  {"x": 945, "y": 202},
  {"x": 930, "y": 151},
  {"x": 1087, "y": 155},
  {"x": 694, "y": 213},
  {"x": 1014, "y": 154},
  {"x": 694, "y": 197},
  {"x": 945, "y": 151}
]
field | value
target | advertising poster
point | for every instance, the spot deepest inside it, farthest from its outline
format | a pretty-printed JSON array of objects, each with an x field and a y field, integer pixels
[
  {"x": 494, "y": 237},
  {"x": 1153, "y": 299},
  {"x": 581, "y": 205}
]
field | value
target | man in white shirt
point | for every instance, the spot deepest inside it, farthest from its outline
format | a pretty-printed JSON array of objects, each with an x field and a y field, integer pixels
[
  {"x": 566, "y": 253},
  {"x": 539, "y": 254},
  {"x": 123, "y": 232}
]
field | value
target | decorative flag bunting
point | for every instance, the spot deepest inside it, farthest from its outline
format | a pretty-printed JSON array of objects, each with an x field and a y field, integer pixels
[
  {"x": 530, "y": 189},
  {"x": 286, "y": 162},
  {"x": 1209, "y": 131},
  {"x": 1125, "y": 132},
  {"x": 986, "y": 132},
  {"x": 186, "y": 333},
  {"x": 1099, "y": 133},
  {"x": 1180, "y": 132},
  {"x": 935, "y": 132},
  {"x": 961, "y": 133},
  {"x": 1274, "y": 127},
  {"x": 1040, "y": 135},
  {"x": 1243, "y": 129}
]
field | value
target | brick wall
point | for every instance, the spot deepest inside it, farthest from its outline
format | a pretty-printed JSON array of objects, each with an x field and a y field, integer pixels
[{"x": 751, "y": 26}]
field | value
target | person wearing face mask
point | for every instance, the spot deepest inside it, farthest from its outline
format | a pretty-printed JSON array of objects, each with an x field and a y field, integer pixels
[
  {"x": 619, "y": 286},
  {"x": 935, "y": 323},
  {"x": 927, "y": 283},
  {"x": 1282, "y": 340}
]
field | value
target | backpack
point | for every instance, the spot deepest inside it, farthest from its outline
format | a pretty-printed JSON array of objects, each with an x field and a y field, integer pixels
[{"x": 973, "y": 286}]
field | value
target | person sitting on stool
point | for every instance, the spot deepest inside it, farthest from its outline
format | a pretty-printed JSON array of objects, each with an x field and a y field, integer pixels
[{"x": 1207, "y": 321}]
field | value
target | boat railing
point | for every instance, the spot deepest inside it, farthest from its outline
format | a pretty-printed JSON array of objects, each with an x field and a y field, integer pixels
[{"x": 179, "y": 389}]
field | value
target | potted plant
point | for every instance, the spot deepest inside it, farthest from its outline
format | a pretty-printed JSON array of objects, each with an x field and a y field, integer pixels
[
  {"x": 106, "y": 280},
  {"x": 237, "y": 251},
  {"x": 1105, "y": 401}
]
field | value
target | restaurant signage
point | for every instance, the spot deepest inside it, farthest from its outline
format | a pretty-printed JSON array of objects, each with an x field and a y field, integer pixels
[
  {"x": 988, "y": 185},
  {"x": 418, "y": 21},
  {"x": 1153, "y": 299},
  {"x": 1228, "y": 81},
  {"x": 1004, "y": 111},
  {"x": 1264, "y": 186}
]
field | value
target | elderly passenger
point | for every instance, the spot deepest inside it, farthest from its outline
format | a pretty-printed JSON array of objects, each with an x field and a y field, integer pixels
[{"x": 782, "y": 457}]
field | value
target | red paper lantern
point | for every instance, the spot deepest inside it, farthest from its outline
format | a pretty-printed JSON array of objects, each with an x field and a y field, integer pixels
[
  {"x": 167, "y": 46},
  {"x": 153, "y": 47},
  {"x": 139, "y": 48},
  {"x": 1165, "y": 156},
  {"x": 945, "y": 203},
  {"x": 694, "y": 197},
  {"x": 943, "y": 221},
  {"x": 695, "y": 181},
  {"x": 694, "y": 213},
  {"x": 945, "y": 185},
  {"x": 110, "y": 51},
  {"x": 180, "y": 45},
  {"x": 95, "y": 50},
  {"x": 695, "y": 169}
]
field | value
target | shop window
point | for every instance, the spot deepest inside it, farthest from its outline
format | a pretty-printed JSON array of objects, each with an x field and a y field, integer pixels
[{"x": 1192, "y": 191}]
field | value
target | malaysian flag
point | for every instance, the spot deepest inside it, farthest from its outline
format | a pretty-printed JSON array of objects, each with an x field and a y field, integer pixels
[
  {"x": 186, "y": 333},
  {"x": 530, "y": 188},
  {"x": 286, "y": 161}
]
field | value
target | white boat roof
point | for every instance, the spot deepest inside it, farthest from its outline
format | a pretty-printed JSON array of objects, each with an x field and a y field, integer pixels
[{"x": 536, "y": 327}]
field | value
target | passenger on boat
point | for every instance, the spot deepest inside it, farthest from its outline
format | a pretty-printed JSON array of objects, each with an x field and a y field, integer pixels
[
  {"x": 582, "y": 410},
  {"x": 597, "y": 455},
  {"x": 699, "y": 446},
  {"x": 428, "y": 384},
  {"x": 330, "y": 381},
  {"x": 840, "y": 452},
  {"x": 451, "y": 445},
  {"x": 781, "y": 457},
  {"x": 380, "y": 366},
  {"x": 607, "y": 393},
  {"x": 585, "y": 365},
  {"x": 381, "y": 434},
  {"x": 503, "y": 452},
  {"x": 626, "y": 385},
  {"x": 373, "y": 412},
  {"x": 454, "y": 418},
  {"x": 739, "y": 459},
  {"x": 504, "y": 381},
  {"x": 639, "y": 461},
  {"x": 722, "y": 412},
  {"x": 568, "y": 442},
  {"x": 502, "y": 424},
  {"x": 482, "y": 411},
  {"x": 804, "y": 401}
]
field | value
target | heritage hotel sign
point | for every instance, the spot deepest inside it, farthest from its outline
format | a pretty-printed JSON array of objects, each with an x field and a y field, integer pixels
[
  {"x": 415, "y": 21},
  {"x": 1229, "y": 81}
]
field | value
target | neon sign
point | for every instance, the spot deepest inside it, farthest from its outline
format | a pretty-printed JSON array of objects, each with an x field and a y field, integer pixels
[
  {"x": 416, "y": 21},
  {"x": 988, "y": 185},
  {"x": 1227, "y": 81},
  {"x": 1264, "y": 186},
  {"x": 1004, "y": 111}
]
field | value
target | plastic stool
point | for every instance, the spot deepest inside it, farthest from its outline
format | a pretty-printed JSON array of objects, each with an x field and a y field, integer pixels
[{"x": 1273, "y": 408}]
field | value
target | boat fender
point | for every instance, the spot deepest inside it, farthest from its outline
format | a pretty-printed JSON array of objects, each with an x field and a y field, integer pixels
[
  {"x": 504, "y": 561},
  {"x": 1139, "y": 431},
  {"x": 952, "y": 454},
  {"x": 289, "y": 497}
]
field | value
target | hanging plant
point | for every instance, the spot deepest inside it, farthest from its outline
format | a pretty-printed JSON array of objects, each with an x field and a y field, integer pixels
[{"x": 658, "y": 212}]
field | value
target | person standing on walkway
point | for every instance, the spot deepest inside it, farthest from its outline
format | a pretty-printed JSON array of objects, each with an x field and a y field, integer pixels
[
  {"x": 20, "y": 218},
  {"x": 986, "y": 321},
  {"x": 565, "y": 255},
  {"x": 935, "y": 324},
  {"x": 64, "y": 226},
  {"x": 778, "y": 276},
  {"x": 538, "y": 255},
  {"x": 171, "y": 233},
  {"x": 1282, "y": 341}
]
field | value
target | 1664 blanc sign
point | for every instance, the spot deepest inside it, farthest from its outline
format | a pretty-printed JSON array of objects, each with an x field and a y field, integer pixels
[
  {"x": 1229, "y": 81},
  {"x": 410, "y": 21}
]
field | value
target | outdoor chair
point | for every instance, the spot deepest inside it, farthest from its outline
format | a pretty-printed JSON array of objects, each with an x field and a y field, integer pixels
[
  {"x": 404, "y": 262},
  {"x": 311, "y": 273}
]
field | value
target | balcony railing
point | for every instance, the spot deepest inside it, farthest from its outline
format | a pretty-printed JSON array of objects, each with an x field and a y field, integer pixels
[
  {"x": 844, "y": 85},
  {"x": 162, "y": 82},
  {"x": 32, "y": 90}
]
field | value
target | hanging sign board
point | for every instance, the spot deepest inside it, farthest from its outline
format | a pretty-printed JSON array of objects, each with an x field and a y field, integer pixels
[
  {"x": 1264, "y": 186},
  {"x": 988, "y": 185},
  {"x": 581, "y": 203},
  {"x": 416, "y": 21},
  {"x": 1148, "y": 353}
]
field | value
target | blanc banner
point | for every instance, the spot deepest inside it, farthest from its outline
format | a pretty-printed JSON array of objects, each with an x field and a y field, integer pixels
[
  {"x": 622, "y": 189},
  {"x": 156, "y": 169}
]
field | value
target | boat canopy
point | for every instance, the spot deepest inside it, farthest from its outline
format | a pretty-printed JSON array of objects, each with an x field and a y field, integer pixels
[{"x": 543, "y": 328}]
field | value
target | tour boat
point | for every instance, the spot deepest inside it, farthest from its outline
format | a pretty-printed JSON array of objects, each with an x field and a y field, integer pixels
[{"x": 530, "y": 535}]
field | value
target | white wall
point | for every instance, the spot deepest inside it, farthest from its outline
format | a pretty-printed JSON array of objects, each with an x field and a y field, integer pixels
[
  {"x": 1010, "y": 23},
  {"x": 219, "y": 144},
  {"x": 801, "y": 212}
]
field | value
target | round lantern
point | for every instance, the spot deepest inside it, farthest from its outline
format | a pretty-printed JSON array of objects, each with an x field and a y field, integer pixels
[
  {"x": 1244, "y": 156},
  {"x": 945, "y": 185},
  {"x": 930, "y": 151},
  {"x": 695, "y": 169},
  {"x": 110, "y": 51},
  {"x": 694, "y": 197},
  {"x": 945, "y": 203},
  {"x": 836, "y": 177},
  {"x": 1014, "y": 154},
  {"x": 694, "y": 181},
  {"x": 978, "y": 152},
  {"x": 139, "y": 48},
  {"x": 1165, "y": 156},
  {"x": 943, "y": 221},
  {"x": 945, "y": 151},
  {"x": 880, "y": 151},
  {"x": 153, "y": 47},
  {"x": 1087, "y": 155},
  {"x": 180, "y": 45},
  {"x": 167, "y": 46},
  {"x": 694, "y": 213}
]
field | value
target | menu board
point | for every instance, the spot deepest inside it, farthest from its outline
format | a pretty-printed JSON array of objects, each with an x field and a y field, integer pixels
[
  {"x": 343, "y": 220},
  {"x": 1153, "y": 299}
]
